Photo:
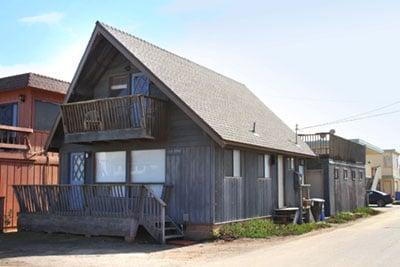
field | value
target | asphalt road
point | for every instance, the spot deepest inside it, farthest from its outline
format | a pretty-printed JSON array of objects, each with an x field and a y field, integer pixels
[{"x": 372, "y": 242}]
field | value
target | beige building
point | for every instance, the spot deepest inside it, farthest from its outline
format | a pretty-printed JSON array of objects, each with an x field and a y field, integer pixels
[
  {"x": 373, "y": 162},
  {"x": 390, "y": 182}
]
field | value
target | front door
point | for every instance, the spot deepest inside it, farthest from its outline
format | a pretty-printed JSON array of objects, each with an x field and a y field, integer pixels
[
  {"x": 281, "y": 188},
  {"x": 77, "y": 168},
  {"x": 77, "y": 177}
]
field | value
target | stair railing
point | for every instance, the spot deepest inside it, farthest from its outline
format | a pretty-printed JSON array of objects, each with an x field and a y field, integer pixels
[{"x": 153, "y": 215}]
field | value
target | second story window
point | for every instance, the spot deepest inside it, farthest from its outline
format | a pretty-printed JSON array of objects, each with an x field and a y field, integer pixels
[
  {"x": 140, "y": 84},
  {"x": 9, "y": 114},
  {"x": 45, "y": 115},
  {"x": 119, "y": 82}
]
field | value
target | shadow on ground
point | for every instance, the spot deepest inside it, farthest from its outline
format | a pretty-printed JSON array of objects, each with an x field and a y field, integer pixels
[{"x": 19, "y": 244}]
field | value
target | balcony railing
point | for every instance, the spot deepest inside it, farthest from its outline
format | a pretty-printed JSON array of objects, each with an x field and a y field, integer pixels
[
  {"x": 12, "y": 137},
  {"x": 126, "y": 117},
  {"x": 335, "y": 147}
]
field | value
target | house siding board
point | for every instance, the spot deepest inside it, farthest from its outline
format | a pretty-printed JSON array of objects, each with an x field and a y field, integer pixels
[
  {"x": 242, "y": 197},
  {"x": 340, "y": 194}
]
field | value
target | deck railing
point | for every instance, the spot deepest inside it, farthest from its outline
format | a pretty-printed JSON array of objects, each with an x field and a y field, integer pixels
[
  {"x": 126, "y": 112},
  {"x": 12, "y": 137},
  {"x": 117, "y": 201},
  {"x": 335, "y": 147}
]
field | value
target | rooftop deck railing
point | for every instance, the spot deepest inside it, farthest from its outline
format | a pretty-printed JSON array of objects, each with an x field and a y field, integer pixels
[{"x": 335, "y": 147}]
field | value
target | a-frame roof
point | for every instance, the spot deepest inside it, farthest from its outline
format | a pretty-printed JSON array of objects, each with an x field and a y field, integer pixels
[{"x": 223, "y": 107}]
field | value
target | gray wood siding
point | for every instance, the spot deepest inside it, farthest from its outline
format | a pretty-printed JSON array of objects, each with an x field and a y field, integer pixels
[
  {"x": 243, "y": 197},
  {"x": 340, "y": 194}
]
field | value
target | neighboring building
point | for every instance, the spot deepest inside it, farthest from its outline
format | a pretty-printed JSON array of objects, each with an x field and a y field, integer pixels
[
  {"x": 149, "y": 138},
  {"x": 338, "y": 174},
  {"x": 29, "y": 104},
  {"x": 390, "y": 182},
  {"x": 373, "y": 162}
]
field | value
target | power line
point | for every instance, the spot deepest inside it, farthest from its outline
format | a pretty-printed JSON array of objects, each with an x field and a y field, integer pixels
[{"x": 357, "y": 116}]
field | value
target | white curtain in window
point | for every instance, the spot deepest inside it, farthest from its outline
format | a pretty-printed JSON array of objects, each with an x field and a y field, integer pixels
[
  {"x": 111, "y": 167},
  {"x": 236, "y": 163},
  {"x": 148, "y": 166}
]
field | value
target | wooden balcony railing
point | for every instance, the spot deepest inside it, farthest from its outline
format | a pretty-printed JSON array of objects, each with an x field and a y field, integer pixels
[
  {"x": 133, "y": 116},
  {"x": 335, "y": 147},
  {"x": 109, "y": 200},
  {"x": 12, "y": 137}
]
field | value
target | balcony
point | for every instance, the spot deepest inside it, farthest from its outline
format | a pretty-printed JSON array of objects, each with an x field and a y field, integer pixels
[
  {"x": 117, "y": 118},
  {"x": 14, "y": 138},
  {"x": 335, "y": 147}
]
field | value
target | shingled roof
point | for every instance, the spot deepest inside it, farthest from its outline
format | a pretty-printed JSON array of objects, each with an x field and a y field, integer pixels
[
  {"x": 224, "y": 105},
  {"x": 33, "y": 80}
]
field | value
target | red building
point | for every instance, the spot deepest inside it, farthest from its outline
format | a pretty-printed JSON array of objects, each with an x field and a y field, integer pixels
[{"x": 29, "y": 104}]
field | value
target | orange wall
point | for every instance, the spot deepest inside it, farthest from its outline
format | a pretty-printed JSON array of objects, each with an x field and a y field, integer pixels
[{"x": 16, "y": 169}]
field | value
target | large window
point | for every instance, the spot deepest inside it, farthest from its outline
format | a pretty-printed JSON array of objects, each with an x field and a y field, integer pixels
[
  {"x": 45, "y": 115},
  {"x": 148, "y": 166},
  {"x": 111, "y": 167},
  {"x": 9, "y": 114}
]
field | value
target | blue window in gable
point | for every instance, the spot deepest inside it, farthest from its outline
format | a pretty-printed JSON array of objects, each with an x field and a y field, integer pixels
[{"x": 140, "y": 84}]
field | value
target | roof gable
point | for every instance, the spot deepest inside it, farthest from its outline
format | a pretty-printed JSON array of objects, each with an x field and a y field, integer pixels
[{"x": 224, "y": 108}]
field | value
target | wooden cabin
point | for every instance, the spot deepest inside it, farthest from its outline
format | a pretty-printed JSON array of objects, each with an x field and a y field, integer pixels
[
  {"x": 29, "y": 105},
  {"x": 337, "y": 175},
  {"x": 148, "y": 138}
]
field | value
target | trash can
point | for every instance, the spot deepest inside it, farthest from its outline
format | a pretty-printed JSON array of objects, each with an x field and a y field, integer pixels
[
  {"x": 397, "y": 196},
  {"x": 317, "y": 209}
]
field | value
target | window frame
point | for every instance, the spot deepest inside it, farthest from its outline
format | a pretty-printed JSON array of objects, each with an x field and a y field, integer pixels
[
  {"x": 345, "y": 174},
  {"x": 131, "y": 164},
  {"x": 96, "y": 181},
  {"x": 35, "y": 112},
  {"x": 15, "y": 112},
  {"x": 360, "y": 175},
  {"x": 336, "y": 173},
  {"x": 353, "y": 175},
  {"x": 236, "y": 163},
  {"x": 120, "y": 75},
  {"x": 132, "y": 83}
]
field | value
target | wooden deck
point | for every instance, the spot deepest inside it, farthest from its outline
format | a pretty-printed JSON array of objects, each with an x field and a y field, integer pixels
[
  {"x": 103, "y": 207},
  {"x": 116, "y": 118}
]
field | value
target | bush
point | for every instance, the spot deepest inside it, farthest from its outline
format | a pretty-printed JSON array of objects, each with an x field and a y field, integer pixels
[
  {"x": 346, "y": 216},
  {"x": 259, "y": 228}
]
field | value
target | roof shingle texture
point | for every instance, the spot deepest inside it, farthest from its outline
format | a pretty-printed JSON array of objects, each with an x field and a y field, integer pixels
[
  {"x": 33, "y": 80},
  {"x": 227, "y": 106}
]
